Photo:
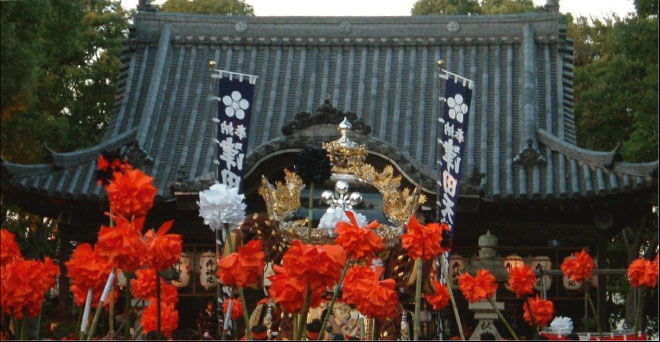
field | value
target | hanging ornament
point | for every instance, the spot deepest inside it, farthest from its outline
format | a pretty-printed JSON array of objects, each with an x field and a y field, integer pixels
[{"x": 207, "y": 268}]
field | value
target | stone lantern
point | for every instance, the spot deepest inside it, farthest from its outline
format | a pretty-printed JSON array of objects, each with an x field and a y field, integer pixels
[{"x": 483, "y": 311}]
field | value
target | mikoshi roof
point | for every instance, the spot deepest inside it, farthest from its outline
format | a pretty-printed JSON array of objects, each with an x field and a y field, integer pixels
[{"x": 521, "y": 138}]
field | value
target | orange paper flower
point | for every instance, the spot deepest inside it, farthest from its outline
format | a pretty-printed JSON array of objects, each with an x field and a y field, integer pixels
[
  {"x": 131, "y": 193},
  {"x": 373, "y": 297},
  {"x": 122, "y": 245},
  {"x": 8, "y": 247},
  {"x": 642, "y": 272},
  {"x": 358, "y": 242},
  {"x": 144, "y": 287},
  {"x": 318, "y": 266},
  {"x": 163, "y": 250},
  {"x": 542, "y": 310},
  {"x": 87, "y": 268},
  {"x": 80, "y": 295},
  {"x": 243, "y": 268},
  {"x": 440, "y": 299},
  {"x": 289, "y": 291},
  {"x": 578, "y": 267},
  {"x": 169, "y": 318},
  {"x": 521, "y": 280},
  {"x": 477, "y": 288},
  {"x": 423, "y": 241},
  {"x": 23, "y": 284},
  {"x": 236, "y": 310}
]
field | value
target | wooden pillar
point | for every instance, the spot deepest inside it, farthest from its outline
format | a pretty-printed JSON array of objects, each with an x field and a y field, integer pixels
[
  {"x": 63, "y": 280},
  {"x": 601, "y": 296}
]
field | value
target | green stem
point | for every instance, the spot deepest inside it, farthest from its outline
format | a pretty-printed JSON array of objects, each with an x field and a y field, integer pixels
[
  {"x": 111, "y": 314},
  {"x": 593, "y": 308},
  {"x": 99, "y": 308},
  {"x": 638, "y": 312},
  {"x": 158, "y": 304},
  {"x": 246, "y": 317},
  {"x": 311, "y": 211},
  {"x": 531, "y": 314},
  {"x": 294, "y": 325},
  {"x": 24, "y": 325},
  {"x": 451, "y": 297},
  {"x": 303, "y": 315},
  {"x": 39, "y": 324},
  {"x": 335, "y": 294},
  {"x": 124, "y": 324},
  {"x": 418, "y": 295},
  {"x": 127, "y": 307},
  {"x": 506, "y": 323},
  {"x": 230, "y": 241}
]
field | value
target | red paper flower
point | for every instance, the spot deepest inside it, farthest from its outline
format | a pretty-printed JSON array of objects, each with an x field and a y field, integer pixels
[
  {"x": 144, "y": 287},
  {"x": 578, "y": 267},
  {"x": 423, "y": 241},
  {"x": 318, "y": 266},
  {"x": 122, "y": 245},
  {"x": 358, "y": 242},
  {"x": 642, "y": 272},
  {"x": 236, "y": 310},
  {"x": 163, "y": 250},
  {"x": 80, "y": 295},
  {"x": 477, "y": 288},
  {"x": 374, "y": 298},
  {"x": 542, "y": 310},
  {"x": 23, "y": 284},
  {"x": 87, "y": 268},
  {"x": 169, "y": 318},
  {"x": 521, "y": 280},
  {"x": 244, "y": 268},
  {"x": 289, "y": 292},
  {"x": 8, "y": 247},
  {"x": 131, "y": 193},
  {"x": 440, "y": 299}
]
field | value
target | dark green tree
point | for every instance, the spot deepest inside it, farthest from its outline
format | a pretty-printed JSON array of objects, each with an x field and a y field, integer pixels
[
  {"x": 224, "y": 7},
  {"x": 616, "y": 83},
  {"x": 446, "y": 7}
]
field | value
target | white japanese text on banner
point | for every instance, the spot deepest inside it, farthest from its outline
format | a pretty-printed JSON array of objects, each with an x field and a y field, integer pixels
[{"x": 234, "y": 109}]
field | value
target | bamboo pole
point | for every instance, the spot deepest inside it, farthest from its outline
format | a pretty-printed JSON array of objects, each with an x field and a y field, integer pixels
[
  {"x": 451, "y": 297},
  {"x": 418, "y": 294}
]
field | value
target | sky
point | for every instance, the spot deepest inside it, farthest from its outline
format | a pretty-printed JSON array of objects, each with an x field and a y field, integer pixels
[{"x": 587, "y": 8}]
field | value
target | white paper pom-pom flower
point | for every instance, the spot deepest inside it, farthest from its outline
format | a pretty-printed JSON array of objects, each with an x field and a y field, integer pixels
[
  {"x": 561, "y": 325},
  {"x": 331, "y": 217},
  {"x": 221, "y": 204}
]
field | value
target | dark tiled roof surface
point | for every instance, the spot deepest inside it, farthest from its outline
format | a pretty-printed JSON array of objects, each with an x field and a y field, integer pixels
[{"x": 381, "y": 68}]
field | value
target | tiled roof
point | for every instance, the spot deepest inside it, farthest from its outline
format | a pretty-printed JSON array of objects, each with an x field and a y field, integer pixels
[{"x": 381, "y": 68}]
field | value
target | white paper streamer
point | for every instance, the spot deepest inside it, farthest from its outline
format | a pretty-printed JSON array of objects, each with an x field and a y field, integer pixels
[
  {"x": 228, "y": 314},
  {"x": 108, "y": 286},
  {"x": 221, "y": 204},
  {"x": 88, "y": 305}
]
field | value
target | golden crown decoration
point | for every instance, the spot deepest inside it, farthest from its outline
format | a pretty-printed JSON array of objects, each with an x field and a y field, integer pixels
[{"x": 348, "y": 160}]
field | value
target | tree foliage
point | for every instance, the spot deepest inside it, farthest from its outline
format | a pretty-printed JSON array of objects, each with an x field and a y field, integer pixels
[
  {"x": 60, "y": 65},
  {"x": 223, "y": 7},
  {"x": 616, "y": 83},
  {"x": 472, "y": 7}
]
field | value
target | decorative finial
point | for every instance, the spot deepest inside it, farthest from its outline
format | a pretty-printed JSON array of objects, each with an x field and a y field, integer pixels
[
  {"x": 344, "y": 127},
  {"x": 211, "y": 65},
  {"x": 441, "y": 63}
]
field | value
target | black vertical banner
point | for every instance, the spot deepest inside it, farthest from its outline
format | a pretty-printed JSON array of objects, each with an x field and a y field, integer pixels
[
  {"x": 234, "y": 109},
  {"x": 453, "y": 126}
]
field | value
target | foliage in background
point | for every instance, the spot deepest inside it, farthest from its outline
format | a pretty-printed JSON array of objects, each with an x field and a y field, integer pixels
[
  {"x": 224, "y": 7},
  {"x": 472, "y": 7},
  {"x": 60, "y": 65},
  {"x": 616, "y": 83}
]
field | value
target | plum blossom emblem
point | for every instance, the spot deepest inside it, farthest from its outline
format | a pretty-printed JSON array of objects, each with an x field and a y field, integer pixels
[
  {"x": 457, "y": 109},
  {"x": 235, "y": 105}
]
